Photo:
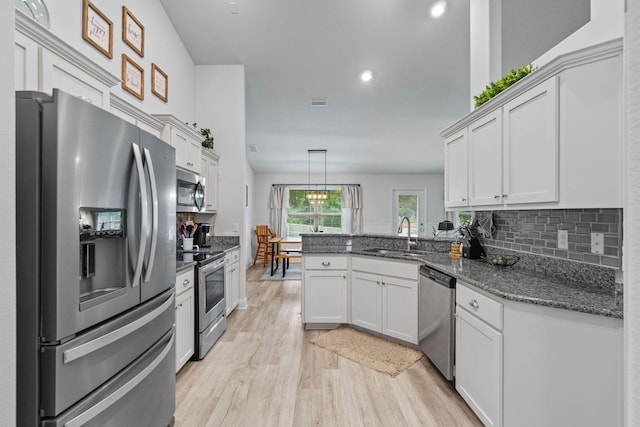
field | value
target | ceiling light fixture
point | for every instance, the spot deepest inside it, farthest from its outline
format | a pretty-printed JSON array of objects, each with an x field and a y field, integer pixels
[
  {"x": 317, "y": 194},
  {"x": 366, "y": 75},
  {"x": 438, "y": 9}
]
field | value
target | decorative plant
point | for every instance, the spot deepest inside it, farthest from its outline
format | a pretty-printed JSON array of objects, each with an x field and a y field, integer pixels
[
  {"x": 208, "y": 138},
  {"x": 494, "y": 88}
]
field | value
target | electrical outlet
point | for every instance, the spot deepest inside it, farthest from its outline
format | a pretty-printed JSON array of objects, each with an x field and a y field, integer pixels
[
  {"x": 234, "y": 227},
  {"x": 597, "y": 243},
  {"x": 563, "y": 239}
]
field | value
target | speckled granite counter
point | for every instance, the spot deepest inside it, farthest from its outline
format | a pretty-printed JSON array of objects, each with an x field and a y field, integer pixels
[
  {"x": 511, "y": 283},
  {"x": 215, "y": 247}
]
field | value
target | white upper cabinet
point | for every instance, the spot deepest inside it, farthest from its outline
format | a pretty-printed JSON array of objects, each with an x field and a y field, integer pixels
[
  {"x": 531, "y": 145},
  {"x": 184, "y": 139},
  {"x": 456, "y": 170},
  {"x": 553, "y": 140},
  {"x": 485, "y": 160},
  {"x": 209, "y": 170}
]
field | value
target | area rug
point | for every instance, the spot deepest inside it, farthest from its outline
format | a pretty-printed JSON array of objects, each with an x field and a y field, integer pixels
[
  {"x": 381, "y": 355},
  {"x": 294, "y": 272}
]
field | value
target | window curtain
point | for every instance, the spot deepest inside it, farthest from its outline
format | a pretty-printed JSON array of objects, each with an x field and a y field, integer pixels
[
  {"x": 277, "y": 205},
  {"x": 352, "y": 209}
]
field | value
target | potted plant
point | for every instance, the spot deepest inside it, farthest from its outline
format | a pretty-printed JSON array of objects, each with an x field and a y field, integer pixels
[{"x": 206, "y": 133}]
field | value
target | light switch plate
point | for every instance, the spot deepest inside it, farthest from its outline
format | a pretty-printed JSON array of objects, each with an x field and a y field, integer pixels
[
  {"x": 563, "y": 239},
  {"x": 597, "y": 243}
]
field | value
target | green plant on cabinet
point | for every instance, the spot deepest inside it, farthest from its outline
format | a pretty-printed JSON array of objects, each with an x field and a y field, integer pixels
[{"x": 494, "y": 88}]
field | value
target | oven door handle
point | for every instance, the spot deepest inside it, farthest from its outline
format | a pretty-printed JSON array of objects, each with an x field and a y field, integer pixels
[
  {"x": 98, "y": 343},
  {"x": 154, "y": 216}
]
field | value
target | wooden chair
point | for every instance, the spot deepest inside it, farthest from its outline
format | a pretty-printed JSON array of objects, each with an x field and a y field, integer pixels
[{"x": 263, "y": 250}]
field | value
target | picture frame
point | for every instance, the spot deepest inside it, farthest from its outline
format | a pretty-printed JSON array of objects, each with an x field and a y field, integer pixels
[
  {"x": 132, "y": 31},
  {"x": 159, "y": 83},
  {"x": 97, "y": 29},
  {"x": 132, "y": 77}
]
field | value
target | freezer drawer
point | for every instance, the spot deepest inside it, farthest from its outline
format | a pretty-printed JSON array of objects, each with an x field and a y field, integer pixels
[
  {"x": 143, "y": 395},
  {"x": 72, "y": 370}
]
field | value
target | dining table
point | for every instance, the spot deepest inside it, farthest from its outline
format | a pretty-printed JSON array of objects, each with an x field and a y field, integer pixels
[{"x": 284, "y": 249}]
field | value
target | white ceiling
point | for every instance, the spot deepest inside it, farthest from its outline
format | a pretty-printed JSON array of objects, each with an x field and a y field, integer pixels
[{"x": 294, "y": 50}]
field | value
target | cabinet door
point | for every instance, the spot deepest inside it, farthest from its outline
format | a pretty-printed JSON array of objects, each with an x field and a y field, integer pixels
[
  {"x": 209, "y": 168},
  {"x": 193, "y": 154},
  {"x": 235, "y": 284},
  {"x": 456, "y": 170},
  {"x": 180, "y": 142},
  {"x": 485, "y": 160},
  {"x": 400, "y": 309},
  {"x": 366, "y": 301},
  {"x": 325, "y": 296},
  {"x": 531, "y": 145},
  {"x": 479, "y": 367},
  {"x": 185, "y": 328}
]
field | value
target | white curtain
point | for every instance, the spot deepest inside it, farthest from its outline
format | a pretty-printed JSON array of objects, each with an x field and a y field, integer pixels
[
  {"x": 277, "y": 204},
  {"x": 352, "y": 209}
]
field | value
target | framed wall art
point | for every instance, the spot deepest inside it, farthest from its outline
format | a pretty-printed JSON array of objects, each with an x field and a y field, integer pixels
[
  {"x": 159, "y": 83},
  {"x": 97, "y": 29},
  {"x": 132, "y": 77},
  {"x": 132, "y": 31}
]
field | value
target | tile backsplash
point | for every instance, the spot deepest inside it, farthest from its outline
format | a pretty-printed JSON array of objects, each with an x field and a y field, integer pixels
[{"x": 536, "y": 232}]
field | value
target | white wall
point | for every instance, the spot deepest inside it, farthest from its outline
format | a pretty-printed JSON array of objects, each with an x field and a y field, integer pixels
[
  {"x": 249, "y": 226},
  {"x": 162, "y": 47},
  {"x": 377, "y": 213},
  {"x": 7, "y": 218},
  {"x": 631, "y": 249},
  {"x": 220, "y": 106}
]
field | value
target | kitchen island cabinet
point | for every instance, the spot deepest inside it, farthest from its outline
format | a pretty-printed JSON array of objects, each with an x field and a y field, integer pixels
[{"x": 325, "y": 291}]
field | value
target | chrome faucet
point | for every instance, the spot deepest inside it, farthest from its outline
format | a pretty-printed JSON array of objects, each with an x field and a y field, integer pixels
[{"x": 409, "y": 242}]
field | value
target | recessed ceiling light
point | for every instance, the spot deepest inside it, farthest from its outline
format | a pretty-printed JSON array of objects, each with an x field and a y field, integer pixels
[
  {"x": 438, "y": 9},
  {"x": 366, "y": 75}
]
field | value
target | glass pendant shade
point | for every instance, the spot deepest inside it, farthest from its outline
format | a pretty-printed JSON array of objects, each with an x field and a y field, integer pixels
[{"x": 35, "y": 9}]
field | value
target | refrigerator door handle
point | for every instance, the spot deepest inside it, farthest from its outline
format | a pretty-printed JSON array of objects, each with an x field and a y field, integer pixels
[
  {"x": 95, "y": 410},
  {"x": 143, "y": 215},
  {"x": 94, "y": 345},
  {"x": 154, "y": 216}
]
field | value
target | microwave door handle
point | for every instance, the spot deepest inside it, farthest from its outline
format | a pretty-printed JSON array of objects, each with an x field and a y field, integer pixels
[
  {"x": 121, "y": 392},
  {"x": 154, "y": 216},
  {"x": 143, "y": 214},
  {"x": 199, "y": 190}
]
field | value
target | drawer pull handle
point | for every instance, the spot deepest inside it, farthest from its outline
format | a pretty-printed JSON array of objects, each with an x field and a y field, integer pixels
[
  {"x": 473, "y": 303},
  {"x": 186, "y": 282},
  {"x": 326, "y": 263}
]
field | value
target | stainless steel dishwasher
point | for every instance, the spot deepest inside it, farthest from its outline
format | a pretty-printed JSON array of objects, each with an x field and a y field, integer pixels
[{"x": 436, "y": 329}]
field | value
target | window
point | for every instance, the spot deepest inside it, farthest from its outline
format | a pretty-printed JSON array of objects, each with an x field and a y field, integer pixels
[
  {"x": 307, "y": 216},
  {"x": 410, "y": 204}
]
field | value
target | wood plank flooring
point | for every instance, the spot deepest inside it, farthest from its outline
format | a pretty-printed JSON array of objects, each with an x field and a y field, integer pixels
[{"x": 264, "y": 372}]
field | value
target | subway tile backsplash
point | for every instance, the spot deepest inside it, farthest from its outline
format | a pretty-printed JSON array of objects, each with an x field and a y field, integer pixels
[{"x": 536, "y": 232}]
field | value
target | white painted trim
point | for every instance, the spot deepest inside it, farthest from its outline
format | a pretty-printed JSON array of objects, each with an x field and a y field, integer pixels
[{"x": 120, "y": 104}]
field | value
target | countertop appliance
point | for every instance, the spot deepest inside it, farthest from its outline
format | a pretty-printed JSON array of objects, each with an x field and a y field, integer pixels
[
  {"x": 211, "y": 320},
  {"x": 436, "y": 321},
  {"x": 200, "y": 235},
  {"x": 189, "y": 191},
  {"x": 95, "y": 246}
]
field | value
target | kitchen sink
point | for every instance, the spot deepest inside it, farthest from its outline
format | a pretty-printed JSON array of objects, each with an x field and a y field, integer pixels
[
  {"x": 399, "y": 253},
  {"x": 379, "y": 251}
]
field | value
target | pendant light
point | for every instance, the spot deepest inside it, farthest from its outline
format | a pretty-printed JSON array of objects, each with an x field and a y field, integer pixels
[{"x": 317, "y": 194}]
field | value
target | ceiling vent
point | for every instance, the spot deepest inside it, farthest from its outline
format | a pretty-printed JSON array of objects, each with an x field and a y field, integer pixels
[
  {"x": 252, "y": 148},
  {"x": 319, "y": 102}
]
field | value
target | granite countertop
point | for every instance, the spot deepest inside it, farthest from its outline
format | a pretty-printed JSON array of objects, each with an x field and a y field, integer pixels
[
  {"x": 512, "y": 283},
  {"x": 183, "y": 265}
]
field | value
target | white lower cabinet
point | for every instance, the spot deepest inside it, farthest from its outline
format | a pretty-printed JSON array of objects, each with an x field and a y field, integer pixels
[
  {"x": 325, "y": 290},
  {"x": 478, "y": 367},
  {"x": 232, "y": 280},
  {"x": 385, "y": 303},
  {"x": 185, "y": 317}
]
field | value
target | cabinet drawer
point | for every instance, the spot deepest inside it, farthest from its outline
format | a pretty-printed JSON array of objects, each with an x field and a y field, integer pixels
[
  {"x": 328, "y": 262},
  {"x": 184, "y": 281},
  {"x": 481, "y": 306},
  {"x": 374, "y": 265},
  {"x": 233, "y": 256}
]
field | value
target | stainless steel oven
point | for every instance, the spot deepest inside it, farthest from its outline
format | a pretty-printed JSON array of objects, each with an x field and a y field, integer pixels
[
  {"x": 211, "y": 313},
  {"x": 189, "y": 191}
]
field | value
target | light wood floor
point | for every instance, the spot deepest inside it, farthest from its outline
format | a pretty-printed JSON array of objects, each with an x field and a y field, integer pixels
[{"x": 264, "y": 372}]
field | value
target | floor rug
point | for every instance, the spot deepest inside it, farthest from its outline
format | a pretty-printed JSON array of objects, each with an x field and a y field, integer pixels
[
  {"x": 384, "y": 356},
  {"x": 294, "y": 272}
]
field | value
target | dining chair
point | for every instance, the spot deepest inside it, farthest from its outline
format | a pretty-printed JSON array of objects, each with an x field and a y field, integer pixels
[{"x": 263, "y": 234}]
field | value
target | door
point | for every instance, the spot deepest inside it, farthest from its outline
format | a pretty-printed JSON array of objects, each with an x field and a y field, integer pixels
[
  {"x": 185, "y": 327},
  {"x": 159, "y": 272},
  {"x": 325, "y": 294},
  {"x": 400, "y": 309},
  {"x": 366, "y": 301},
  {"x": 455, "y": 170},
  {"x": 485, "y": 160},
  {"x": 410, "y": 203}
]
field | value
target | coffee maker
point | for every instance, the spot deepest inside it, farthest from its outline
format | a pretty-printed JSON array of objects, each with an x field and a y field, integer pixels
[{"x": 200, "y": 235}]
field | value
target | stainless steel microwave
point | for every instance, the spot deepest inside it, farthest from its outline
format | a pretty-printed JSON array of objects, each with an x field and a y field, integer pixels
[{"x": 189, "y": 191}]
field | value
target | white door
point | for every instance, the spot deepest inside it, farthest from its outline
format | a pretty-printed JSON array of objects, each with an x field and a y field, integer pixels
[
  {"x": 485, "y": 160},
  {"x": 412, "y": 204},
  {"x": 325, "y": 296},
  {"x": 400, "y": 309},
  {"x": 366, "y": 301},
  {"x": 455, "y": 170}
]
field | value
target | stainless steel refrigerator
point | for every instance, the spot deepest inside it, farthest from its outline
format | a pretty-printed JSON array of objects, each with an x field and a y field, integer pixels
[{"x": 95, "y": 232}]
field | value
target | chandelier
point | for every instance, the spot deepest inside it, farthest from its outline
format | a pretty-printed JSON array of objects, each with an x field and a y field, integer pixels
[{"x": 317, "y": 194}]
